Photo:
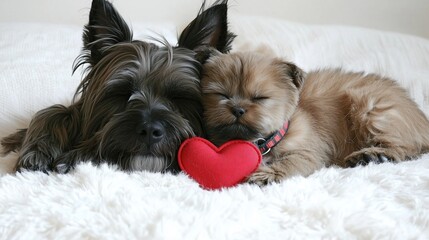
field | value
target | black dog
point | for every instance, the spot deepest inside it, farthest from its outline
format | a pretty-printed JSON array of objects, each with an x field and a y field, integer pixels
[{"x": 135, "y": 106}]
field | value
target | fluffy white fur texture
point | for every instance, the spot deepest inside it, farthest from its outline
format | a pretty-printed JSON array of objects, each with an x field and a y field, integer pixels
[{"x": 387, "y": 201}]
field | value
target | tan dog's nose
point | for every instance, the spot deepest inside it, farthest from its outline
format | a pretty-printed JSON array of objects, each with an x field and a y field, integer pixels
[{"x": 238, "y": 111}]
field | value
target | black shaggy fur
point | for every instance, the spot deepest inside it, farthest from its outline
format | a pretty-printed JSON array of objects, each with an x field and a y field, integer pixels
[{"x": 136, "y": 104}]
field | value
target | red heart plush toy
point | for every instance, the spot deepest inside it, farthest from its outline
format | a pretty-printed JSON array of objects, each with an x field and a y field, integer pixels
[{"x": 214, "y": 167}]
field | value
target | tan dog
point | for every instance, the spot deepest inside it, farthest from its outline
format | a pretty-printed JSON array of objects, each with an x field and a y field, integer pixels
[{"x": 334, "y": 117}]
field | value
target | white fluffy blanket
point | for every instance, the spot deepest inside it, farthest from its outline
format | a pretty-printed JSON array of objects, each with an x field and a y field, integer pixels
[{"x": 387, "y": 201}]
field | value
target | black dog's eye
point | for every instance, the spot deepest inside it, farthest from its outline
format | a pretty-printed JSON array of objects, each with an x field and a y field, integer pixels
[
  {"x": 135, "y": 104},
  {"x": 259, "y": 98}
]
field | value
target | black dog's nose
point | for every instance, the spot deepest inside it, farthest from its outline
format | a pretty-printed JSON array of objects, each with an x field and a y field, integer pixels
[
  {"x": 152, "y": 132},
  {"x": 238, "y": 111}
]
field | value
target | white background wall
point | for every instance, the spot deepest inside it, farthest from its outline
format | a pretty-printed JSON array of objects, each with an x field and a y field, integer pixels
[{"x": 406, "y": 16}]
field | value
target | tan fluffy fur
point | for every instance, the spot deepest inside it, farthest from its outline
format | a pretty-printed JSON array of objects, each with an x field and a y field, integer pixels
[{"x": 335, "y": 117}]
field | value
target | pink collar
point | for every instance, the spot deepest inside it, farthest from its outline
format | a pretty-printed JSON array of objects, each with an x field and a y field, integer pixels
[{"x": 265, "y": 144}]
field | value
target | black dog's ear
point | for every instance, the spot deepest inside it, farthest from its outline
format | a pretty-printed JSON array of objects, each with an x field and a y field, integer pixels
[
  {"x": 293, "y": 72},
  {"x": 105, "y": 29},
  {"x": 208, "y": 29},
  {"x": 206, "y": 53}
]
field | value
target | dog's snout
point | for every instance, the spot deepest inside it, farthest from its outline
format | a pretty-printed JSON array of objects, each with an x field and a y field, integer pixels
[
  {"x": 152, "y": 132},
  {"x": 238, "y": 111}
]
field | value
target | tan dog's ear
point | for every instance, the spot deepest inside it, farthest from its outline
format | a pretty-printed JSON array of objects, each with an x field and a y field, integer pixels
[{"x": 294, "y": 72}]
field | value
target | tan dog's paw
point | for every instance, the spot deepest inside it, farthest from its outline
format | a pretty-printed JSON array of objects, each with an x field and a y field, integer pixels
[
  {"x": 365, "y": 156},
  {"x": 264, "y": 175}
]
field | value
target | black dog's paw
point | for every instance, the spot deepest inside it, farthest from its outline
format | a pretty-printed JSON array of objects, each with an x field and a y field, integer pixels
[
  {"x": 34, "y": 161},
  {"x": 67, "y": 161},
  {"x": 63, "y": 164},
  {"x": 63, "y": 168}
]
